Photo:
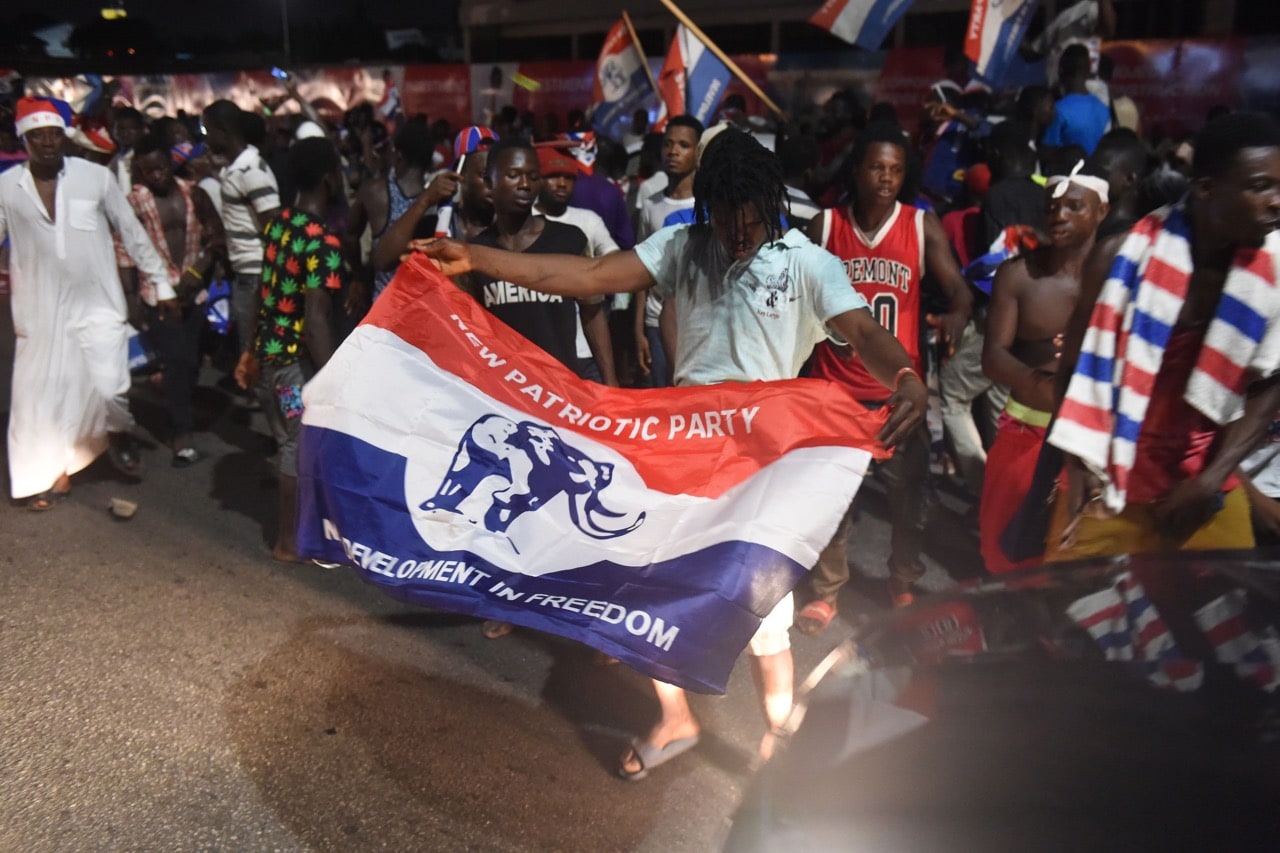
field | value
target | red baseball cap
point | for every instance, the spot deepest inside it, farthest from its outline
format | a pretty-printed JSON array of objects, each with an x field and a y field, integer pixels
[{"x": 552, "y": 161}]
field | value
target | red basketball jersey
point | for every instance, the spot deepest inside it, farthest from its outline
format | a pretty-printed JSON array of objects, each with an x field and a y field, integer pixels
[{"x": 885, "y": 268}]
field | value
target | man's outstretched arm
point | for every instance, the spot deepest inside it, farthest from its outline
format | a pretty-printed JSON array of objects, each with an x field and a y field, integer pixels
[
  {"x": 567, "y": 275},
  {"x": 891, "y": 366}
]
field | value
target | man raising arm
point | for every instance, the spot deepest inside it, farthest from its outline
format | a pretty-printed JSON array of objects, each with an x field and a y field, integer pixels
[{"x": 751, "y": 303}]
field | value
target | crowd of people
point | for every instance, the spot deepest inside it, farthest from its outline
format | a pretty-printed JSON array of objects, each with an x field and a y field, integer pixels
[{"x": 1101, "y": 300}]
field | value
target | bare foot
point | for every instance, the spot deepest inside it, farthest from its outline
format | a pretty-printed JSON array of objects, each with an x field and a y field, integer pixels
[
  {"x": 285, "y": 556},
  {"x": 494, "y": 629},
  {"x": 660, "y": 735}
]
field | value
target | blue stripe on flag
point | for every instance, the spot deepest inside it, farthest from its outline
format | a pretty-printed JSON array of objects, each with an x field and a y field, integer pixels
[
  {"x": 1115, "y": 640},
  {"x": 1250, "y": 323},
  {"x": 1127, "y": 428},
  {"x": 881, "y": 19},
  {"x": 1150, "y": 329},
  {"x": 1126, "y": 270},
  {"x": 684, "y": 620},
  {"x": 705, "y": 85},
  {"x": 1097, "y": 367}
]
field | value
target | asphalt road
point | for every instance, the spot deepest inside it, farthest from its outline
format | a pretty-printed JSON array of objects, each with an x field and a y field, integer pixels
[{"x": 167, "y": 686}]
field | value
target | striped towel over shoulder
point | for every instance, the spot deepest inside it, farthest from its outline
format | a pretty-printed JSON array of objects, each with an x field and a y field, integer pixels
[{"x": 1107, "y": 397}]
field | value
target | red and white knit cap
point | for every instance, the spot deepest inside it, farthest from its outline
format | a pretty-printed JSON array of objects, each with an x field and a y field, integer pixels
[{"x": 34, "y": 113}]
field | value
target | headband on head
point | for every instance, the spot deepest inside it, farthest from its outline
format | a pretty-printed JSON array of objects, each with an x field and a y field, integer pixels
[{"x": 1059, "y": 183}]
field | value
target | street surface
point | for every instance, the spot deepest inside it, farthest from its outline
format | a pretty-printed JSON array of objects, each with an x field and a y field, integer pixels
[{"x": 167, "y": 686}]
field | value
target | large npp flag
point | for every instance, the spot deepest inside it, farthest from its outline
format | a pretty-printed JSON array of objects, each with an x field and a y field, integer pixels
[
  {"x": 864, "y": 23},
  {"x": 693, "y": 80},
  {"x": 622, "y": 82},
  {"x": 456, "y": 465},
  {"x": 996, "y": 29}
]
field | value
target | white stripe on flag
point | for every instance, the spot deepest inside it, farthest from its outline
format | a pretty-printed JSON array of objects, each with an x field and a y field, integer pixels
[{"x": 425, "y": 426}]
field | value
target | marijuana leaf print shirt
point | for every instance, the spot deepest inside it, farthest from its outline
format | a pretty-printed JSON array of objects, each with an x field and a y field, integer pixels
[{"x": 301, "y": 255}]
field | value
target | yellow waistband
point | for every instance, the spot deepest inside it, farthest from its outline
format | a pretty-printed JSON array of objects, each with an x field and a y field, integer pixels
[{"x": 1026, "y": 414}]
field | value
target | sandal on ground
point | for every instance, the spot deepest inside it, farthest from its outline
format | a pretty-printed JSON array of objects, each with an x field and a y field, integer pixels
[
  {"x": 46, "y": 501},
  {"x": 125, "y": 454},
  {"x": 901, "y": 593},
  {"x": 494, "y": 629},
  {"x": 902, "y": 579},
  {"x": 815, "y": 617},
  {"x": 651, "y": 756}
]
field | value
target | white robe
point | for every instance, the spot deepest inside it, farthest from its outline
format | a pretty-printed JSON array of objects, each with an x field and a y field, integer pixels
[{"x": 70, "y": 369}]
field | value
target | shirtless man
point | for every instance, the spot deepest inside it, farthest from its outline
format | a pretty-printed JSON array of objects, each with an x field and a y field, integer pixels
[
  {"x": 187, "y": 233},
  {"x": 1213, "y": 355},
  {"x": 1031, "y": 300}
]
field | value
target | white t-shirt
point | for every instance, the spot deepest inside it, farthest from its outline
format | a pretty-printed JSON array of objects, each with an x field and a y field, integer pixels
[
  {"x": 657, "y": 213},
  {"x": 748, "y": 320},
  {"x": 599, "y": 242},
  {"x": 655, "y": 183}
]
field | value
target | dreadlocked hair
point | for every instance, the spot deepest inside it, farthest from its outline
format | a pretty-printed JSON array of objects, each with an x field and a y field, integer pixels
[{"x": 736, "y": 170}]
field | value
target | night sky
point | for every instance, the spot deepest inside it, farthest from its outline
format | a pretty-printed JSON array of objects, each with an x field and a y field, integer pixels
[{"x": 228, "y": 17}]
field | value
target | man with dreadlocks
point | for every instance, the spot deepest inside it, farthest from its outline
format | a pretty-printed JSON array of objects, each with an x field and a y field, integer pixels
[{"x": 742, "y": 301}]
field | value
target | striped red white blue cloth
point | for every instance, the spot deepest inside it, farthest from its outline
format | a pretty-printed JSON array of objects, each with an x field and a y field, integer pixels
[
  {"x": 1135, "y": 313},
  {"x": 1250, "y": 647},
  {"x": 1127, "y": 627}
]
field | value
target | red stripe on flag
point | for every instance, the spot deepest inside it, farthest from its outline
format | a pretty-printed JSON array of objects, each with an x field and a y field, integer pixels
[
  {"x": 1089, "y": 417},
  {"x": 1107, "y": 614},
  {"x": 1154, "y": 630},
  {"x": 826, "y": 16},
  {"x": 1136, "y": 379},
  {"x": 1259, "y": 262},
  {"x": 428, "y": 311},
  {"x": 1228, "y": 630},
  {"x": 1223, "y": 369},
  {"x": 1168, "y": 278},
  {"x": 1104, "y": 316},
  {"x": 973, "y": 35}
]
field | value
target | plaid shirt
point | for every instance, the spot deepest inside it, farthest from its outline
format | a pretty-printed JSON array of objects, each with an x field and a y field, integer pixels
[{"x": 144, "y": 204}]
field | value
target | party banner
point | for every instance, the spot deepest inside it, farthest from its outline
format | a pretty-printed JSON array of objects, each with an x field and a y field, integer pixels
[{"x": 456, "y": 465}]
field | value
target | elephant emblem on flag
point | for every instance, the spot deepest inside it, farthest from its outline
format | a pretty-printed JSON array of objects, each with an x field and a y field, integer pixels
[{"x": 503, "y": 469}]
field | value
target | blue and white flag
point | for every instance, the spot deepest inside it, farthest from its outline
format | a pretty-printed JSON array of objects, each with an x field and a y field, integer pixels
[
  {"x": 456, "y": 465},
  {"x": 996, "y": 29},
  {"x": 864, "y": 23},
  {"x": 693, "y": 80}
]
